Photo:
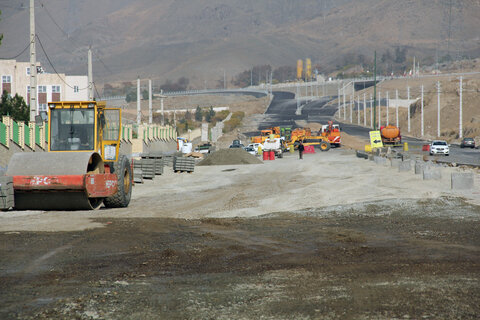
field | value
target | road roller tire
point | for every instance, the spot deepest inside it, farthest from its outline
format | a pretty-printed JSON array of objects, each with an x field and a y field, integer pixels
[
  {"x": 325, "y": 146},
  {"x": 121, "y": 199}
]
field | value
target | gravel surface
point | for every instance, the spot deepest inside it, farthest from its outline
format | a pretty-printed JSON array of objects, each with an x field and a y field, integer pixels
[{"x": 328, "y": 237}]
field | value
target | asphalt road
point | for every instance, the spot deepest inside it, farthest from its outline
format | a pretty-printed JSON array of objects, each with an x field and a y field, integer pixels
[{"x": 282, "y": 112}]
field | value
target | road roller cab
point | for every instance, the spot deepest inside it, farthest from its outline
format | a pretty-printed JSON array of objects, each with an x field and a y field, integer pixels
[{"x": 82, "y": 167}]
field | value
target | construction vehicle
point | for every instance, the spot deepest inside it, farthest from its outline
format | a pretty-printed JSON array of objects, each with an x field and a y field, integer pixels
[
  {"x": 82, "y": 168},
  {"x": 332, "y": 133},
  {"x": 316, "y": 141},
  {"x": 391, "y": 135}
]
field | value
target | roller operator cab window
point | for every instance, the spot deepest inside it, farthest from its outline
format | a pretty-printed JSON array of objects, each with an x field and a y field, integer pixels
[{"x": 72, "y": 129}]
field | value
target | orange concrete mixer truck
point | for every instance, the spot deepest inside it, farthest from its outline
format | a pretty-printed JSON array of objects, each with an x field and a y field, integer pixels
[{"x": 391, "y": 135}]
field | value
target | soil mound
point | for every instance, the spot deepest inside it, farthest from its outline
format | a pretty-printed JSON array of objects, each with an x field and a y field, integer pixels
[{"x": 229, "y": 157}]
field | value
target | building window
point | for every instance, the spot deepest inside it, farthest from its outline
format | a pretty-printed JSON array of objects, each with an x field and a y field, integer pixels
[
  {"x": 55, "y": 89},
  {"x": 42, "y": 107},
  {"x": 28, "y": 71},
  {"x": 75, "y": 89},
  {"x": 42, "y": 89},
  {"x": 6, "y": 79}
]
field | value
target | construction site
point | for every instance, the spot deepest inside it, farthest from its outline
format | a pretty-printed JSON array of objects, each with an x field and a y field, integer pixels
[{"x": 231, "y": 235}]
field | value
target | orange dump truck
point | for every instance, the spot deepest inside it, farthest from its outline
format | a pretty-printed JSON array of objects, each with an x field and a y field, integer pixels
[{"x": 391, "y": 135}]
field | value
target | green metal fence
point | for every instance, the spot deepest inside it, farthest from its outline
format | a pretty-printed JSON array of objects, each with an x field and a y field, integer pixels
[
  {"x": 37, "y": 135},
  {"x": 3, "y": 134},
  {"x": 27, "y": 136},
  {"x": 15, "y": 132}
]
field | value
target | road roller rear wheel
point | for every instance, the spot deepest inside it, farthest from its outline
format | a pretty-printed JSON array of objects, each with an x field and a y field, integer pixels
[{"x": 124, "y": 178}]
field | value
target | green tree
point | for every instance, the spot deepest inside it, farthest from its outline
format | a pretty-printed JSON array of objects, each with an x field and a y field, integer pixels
[
  {"x": 131, "y": 96},
  {"x": 210, "y": 114},
  {"x": 145, "y": 94},
  {"x": 14, "y": 107},
  {"x": 198, "y": 114}
]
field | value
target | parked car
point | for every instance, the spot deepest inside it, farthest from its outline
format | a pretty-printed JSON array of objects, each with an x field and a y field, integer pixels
[
  {"x": 251, "y": 150},
  {"x": 237, "y": 146},
  {"x": 467, "y": 142},
  {"x": 439, "y": 147}
]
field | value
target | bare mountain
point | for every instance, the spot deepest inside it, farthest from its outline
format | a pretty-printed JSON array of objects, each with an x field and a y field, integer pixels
[{"x": 200, "y": 39}]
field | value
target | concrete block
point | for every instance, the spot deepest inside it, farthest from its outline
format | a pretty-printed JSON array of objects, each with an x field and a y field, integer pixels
[
  {"x": 419, "y": 165},
  {"x": 405, "y": 166},
  {"x": 462, "y": 180},
  {"x": 395, "y": 163},
  {"x": 362, "y": 154},
  {"x": 432, "y": 173},
  {"x": 380, "y": 160},
  {"x": 371, "y": 157}
]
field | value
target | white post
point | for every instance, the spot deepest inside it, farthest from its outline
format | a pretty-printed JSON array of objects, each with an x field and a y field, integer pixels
[
  {"x": 364, "y": 110},
  {"x": 139, "y": 111},
  {"x": 150, "y": 111},
  {"x": 388, "y": 107},
  {"x": 396, "y": 106},
  {"x": 438, "y": 108},
  {"x": 33, "y": 64},
  {"x": 408, "y": 98},
  {"x": 344, "y": 106},
  {"x": 371, "y": 111},
  {"x": 422, "y": 127},
  {"x": 379, "y": 109},
  {"x": 460, "y": 124}
]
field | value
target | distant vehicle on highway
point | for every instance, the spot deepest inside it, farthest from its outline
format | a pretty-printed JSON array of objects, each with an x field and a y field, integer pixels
[
  {"x": 439, "y": 147},
  {"x": 467, "y": 142}
]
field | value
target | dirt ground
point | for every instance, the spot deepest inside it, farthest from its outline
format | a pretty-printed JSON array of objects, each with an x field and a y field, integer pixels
[{"x": 328, "y": 237}]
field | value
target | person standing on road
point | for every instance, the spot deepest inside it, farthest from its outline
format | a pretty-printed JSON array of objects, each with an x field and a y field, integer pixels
[{"x": 301, "y": 148}]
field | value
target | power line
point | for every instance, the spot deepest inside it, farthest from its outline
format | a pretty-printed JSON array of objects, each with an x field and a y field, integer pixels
[
  {"x": 51, "y": 64},
  {"x": 55, "y": 22},
  {"x": 28, "y": 46}
]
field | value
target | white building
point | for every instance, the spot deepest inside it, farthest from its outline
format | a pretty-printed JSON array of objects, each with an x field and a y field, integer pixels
[{"x": 50, "y": 86}]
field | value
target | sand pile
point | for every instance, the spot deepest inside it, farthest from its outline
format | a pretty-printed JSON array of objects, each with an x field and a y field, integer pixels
[{"x": 229, "y": 157}]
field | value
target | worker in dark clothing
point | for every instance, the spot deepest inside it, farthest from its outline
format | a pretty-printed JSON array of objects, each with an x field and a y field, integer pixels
[{"x": 301, "y": 148}]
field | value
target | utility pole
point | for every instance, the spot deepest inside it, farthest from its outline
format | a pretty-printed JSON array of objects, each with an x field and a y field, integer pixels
[
  {"x": 139, "y": 111},
  {"x": 371, "y": 111},
  {"x": 33, "y": 64},
  {"x": 396, "y": 105},
  {"x": 224, "y": 79},
  {"x": 364, "y": 110},
  {"x": 150, "y": 109},
  {"x": 351, "y": 102},
  {"x": 438, "y": 108},
  {"x": 90, "y": 75},
  {"x": 161, "y": 107},
  {"x": 358, "y": 110},
  {"x": 375, "y": 92},
  {"x": 388, "y": 107},
  {"x": 422, "y": 128},
  {"x": 409, "y": 115},
  {"x": 338, "y": 99},
  {"x": 379, "y": 109},
  {"x": 251, "y": 77},
  {"x": 460, "y": 124},
  {"x": 344, "y": 106}
]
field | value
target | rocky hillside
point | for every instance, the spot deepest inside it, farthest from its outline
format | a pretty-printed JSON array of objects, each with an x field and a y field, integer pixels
[{"x": 200, "y": 39}]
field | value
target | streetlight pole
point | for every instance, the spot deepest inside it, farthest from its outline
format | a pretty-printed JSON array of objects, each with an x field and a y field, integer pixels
[{"x": 375, "y": 92}]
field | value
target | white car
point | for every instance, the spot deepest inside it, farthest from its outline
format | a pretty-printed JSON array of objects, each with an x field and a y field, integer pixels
[
  {"x": 439, "y": 147},
  {"x": 251, "y": 150}
]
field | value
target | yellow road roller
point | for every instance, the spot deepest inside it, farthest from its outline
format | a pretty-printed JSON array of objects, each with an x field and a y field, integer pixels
[{"x": 82, "y": 168}]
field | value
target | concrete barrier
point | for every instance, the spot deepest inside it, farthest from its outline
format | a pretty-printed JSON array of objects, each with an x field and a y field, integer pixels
[
  {"x": 462, "y": 180},
  {"x": 395, "y": 162},
  {"x": 405, "y": 166},
  {"x": 380, "y": 160},
  {"x": 361, "y": 154},
  {"x": 432, "y": 173},
  {"x": 419, "y": 165}
]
